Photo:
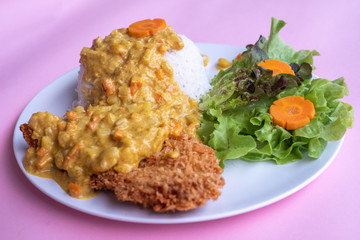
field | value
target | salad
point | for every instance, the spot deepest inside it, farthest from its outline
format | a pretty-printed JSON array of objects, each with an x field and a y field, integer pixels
[{"x": 236, "y": 119}]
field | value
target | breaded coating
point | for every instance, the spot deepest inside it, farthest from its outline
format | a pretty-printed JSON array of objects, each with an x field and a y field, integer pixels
[
  {"x": 184, "y": 175},
  {"x": 27, "y": 133}
]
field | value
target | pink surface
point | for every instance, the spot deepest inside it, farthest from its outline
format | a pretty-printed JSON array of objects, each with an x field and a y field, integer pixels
[{"x": 41, "y": 40}]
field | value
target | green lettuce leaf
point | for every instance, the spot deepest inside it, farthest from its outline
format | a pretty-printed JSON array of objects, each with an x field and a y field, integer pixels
[
  {"x": 276, "y": 48},
  {"x": 247, "y": 131},
  {"x": 332, "y": 117},
  {"x": 254, "y": 54}
]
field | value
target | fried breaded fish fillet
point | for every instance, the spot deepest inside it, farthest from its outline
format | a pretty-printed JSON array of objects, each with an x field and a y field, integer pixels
[
  {"x": 27, "y": 132},
  {"x": 184, "y": 175}
]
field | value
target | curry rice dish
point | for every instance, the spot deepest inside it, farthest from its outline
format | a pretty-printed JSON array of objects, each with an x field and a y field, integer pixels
[{"x": 135, "y": 133}]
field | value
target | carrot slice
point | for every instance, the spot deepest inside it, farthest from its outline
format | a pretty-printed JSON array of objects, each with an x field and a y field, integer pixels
[
  {"x": 292, "y": 112},
  {"x": 276, "y": 66},
  {"x": 146, "y": 27},
  {"x": 238, "y": 57}
]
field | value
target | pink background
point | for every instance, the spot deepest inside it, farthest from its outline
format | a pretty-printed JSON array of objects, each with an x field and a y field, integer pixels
[{"x": 41, "y": 40}]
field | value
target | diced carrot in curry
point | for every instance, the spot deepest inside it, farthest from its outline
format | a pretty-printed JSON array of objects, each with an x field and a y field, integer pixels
[
  {"x": 74, "y": 190},
  {"x": 42, "y": 152},
  {"x": 92, "y": 125},
  {"x": 159, "y": 74},
  {"x": 71, "y": 115},
  {"x": 118, "y": 134},
  {"x": 109, "y": 87},
  {"x": 176, "y": 128},
  {"x": 72, "y": 155},
  {"x": 134, "y": 87},
  {"x": 42, "y": 162}
]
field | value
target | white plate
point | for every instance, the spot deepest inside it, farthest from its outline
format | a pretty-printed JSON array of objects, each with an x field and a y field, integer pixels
[{"x": 249, "y": 185}]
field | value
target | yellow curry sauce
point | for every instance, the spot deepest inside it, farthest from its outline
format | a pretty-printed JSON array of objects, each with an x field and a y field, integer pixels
[{"x": 134, "y": 104}]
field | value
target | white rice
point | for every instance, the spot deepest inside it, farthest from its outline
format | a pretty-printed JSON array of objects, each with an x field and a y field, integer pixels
[
  {"x": 188, "y": 68},
  {"x": 82, "y": 89}
]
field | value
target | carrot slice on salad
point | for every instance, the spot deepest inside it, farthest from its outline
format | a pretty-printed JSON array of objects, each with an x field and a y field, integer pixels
[
  {"x": 292, "y": 112},
  {"x": 276, "y": 66},
  {"x": 238, "y": 57},
  {"x": 146, "y": 27}
]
